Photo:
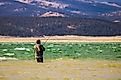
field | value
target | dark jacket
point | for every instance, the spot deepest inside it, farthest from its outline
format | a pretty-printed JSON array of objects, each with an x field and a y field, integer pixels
[{"x": 39, "y": 50}]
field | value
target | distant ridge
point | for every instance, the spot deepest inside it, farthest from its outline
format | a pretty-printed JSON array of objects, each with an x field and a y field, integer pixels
[{"x": 106, "y": 9}]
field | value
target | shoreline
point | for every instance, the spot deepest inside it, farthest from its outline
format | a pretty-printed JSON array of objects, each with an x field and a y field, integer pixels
[{"x": 62, "y": 39}]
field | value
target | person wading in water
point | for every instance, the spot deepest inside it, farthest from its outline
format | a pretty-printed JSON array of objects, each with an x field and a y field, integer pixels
[{"x": 39, "y": 49}]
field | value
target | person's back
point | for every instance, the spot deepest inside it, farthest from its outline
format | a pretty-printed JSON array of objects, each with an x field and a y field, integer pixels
[{"x": 39, "y": 51}]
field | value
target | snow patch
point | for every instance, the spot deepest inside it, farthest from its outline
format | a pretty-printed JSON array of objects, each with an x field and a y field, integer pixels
[
  {"x": 117, "y": 13},
  {"x": 106, "y": 3},
  {"x": 52, "y": 4},
  {"x": 45, "y": 3},
  {"x": 52, "y": 14},
  {"x": 4, "y": 3},
  {"x": 77, "y": 12},
  {"x": 111, "y": 4},
  {"x": 24, "y": 1},
  {"x": 20, "y": 10},
  {"x": 1, "y": 4},
  {"x": 116, "y": 21},
  {"x": 87, "y": 1}
]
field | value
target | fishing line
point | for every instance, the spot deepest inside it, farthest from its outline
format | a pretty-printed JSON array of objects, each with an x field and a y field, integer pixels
[{"x": 46, "y": 40}]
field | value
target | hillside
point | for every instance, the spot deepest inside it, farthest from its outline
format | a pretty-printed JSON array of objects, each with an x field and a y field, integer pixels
[
  {"x": 36, "y": 26},
  {"x": 109, "y": 9}
]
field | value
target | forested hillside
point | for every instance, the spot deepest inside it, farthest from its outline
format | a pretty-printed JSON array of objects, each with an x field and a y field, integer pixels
[{"x": 36, "y": 26}]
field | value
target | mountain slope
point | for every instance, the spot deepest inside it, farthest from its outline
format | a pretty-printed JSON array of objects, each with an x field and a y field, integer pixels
[{"x": 67, "y": 7}]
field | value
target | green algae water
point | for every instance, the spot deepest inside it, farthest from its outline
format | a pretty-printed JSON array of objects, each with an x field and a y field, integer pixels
[{"x": 24, "y": 51}]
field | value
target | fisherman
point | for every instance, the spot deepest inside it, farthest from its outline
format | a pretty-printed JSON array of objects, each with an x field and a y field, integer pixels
[{"x": 38, "y": 49}]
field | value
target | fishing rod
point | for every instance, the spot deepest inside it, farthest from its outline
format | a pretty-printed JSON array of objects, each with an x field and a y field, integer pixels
[{"x": 46, "y": 40}]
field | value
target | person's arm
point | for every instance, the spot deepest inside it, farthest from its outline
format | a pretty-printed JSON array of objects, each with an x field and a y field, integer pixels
[{"x": 43, "y": 49}]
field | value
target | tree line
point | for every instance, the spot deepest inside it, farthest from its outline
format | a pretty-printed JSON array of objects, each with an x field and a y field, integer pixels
[{"x": 36, "y": 26}]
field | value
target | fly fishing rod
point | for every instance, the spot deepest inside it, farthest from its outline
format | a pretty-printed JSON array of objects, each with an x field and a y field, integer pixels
[{"x": 46, "y": 40}]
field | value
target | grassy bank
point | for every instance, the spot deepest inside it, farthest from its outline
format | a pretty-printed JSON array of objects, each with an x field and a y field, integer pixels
[{"x": 24, "y": 51}]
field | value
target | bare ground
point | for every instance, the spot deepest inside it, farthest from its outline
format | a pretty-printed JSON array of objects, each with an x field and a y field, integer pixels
[
  {"x": 61, "y": 39},
  {"x": 61, "y": 70}
]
